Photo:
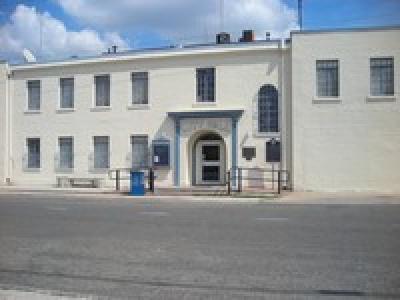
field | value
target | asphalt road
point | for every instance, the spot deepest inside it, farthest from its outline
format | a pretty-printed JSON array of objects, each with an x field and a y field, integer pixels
[{"x": 156, "y": 250}]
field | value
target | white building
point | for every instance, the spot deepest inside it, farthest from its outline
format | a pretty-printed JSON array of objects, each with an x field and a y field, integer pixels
[{"x": 324, "y": 103}]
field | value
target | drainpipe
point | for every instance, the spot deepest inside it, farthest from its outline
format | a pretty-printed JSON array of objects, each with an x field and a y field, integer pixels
[
  {"x": 177, "y": 151},
  {"x": 7, "y": 152},
  {"x": 282, "y": 109},
  {"x": 9, "y": 161}
]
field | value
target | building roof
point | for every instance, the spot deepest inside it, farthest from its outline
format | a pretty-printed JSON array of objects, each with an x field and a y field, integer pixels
[
  {"x": 158, "y": 53},
  {"x": 194, "y": 49},
  {"x": 338, "y": 30}
]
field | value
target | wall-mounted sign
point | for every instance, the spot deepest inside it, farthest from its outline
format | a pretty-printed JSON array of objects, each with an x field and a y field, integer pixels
[
  {"x": 161, "y": 153},
  {"x": 273, "y": 151},
  {"x": 221, "y": 125},
  {"x": 249, "y": 153}
]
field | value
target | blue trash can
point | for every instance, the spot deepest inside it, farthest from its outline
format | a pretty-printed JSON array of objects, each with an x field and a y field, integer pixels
[{"x": 137, "y": 183}]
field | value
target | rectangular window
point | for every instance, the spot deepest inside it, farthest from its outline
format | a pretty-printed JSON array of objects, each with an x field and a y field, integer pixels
[
  {"x": 140, "y": 151},
  {"x": 327, "y": 78},
  {"x": 66, "y": 148},
  {"x": 33, "y": 146},
  {"x": 206, "y": 85},
  {"x": 102, "y": 83},
  {"x": 34, "y": 95},
  {"x": 273, "y": 151},
  {"x": 67, "y": 93},
  {"x": 140, "y": 85},
  {"x": 101, "y": 157},
  {"x": 382, "y": 76}
]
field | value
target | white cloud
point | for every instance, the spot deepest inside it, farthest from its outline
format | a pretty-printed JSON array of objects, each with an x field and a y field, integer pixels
[
  {"x": 184, "y": 18},
  {"x": 23, "y": 31},
  {"x": 176, "y": 20}
]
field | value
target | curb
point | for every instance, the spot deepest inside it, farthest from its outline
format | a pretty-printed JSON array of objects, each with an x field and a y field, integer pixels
[
  {"x": 113, "y": 195},
  {"x": 289, "y": 199}
]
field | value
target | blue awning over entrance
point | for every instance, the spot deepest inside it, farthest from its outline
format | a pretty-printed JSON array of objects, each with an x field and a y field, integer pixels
[{"x": 206, "y": 113}]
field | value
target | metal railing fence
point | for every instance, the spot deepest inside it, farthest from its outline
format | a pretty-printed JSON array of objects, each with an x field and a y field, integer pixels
[
  {"x": 262, "y": 179},
  {"x": 119, "y": 174}
]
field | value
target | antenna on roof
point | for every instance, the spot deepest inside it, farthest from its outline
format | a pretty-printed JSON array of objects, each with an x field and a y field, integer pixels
[
  {"x": 300, "y": 13},
  {"x": 28, "y": 56},
  {"x": 221, "y": 15}
]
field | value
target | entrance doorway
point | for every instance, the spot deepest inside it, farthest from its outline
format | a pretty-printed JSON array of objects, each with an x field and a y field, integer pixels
[{"x": 209, "y": 158}]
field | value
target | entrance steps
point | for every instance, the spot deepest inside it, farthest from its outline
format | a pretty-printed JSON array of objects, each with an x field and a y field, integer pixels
[
  {"x": 214, "y": 191},
  {"x": 193, "y": 191}
]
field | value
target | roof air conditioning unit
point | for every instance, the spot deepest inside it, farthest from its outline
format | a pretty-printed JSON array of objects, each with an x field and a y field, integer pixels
[
  {"x": 223, "y": 38},
  {"x": 247, "y": 36}
]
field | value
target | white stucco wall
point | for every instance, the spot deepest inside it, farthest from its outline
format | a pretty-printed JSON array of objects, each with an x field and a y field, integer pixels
[
  {"x": 353, "y": 143},
  {"x": 350, "y": 144},
  {"x": 172, "y": 87}
]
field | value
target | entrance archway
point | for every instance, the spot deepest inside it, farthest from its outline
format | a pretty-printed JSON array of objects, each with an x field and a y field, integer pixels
[{"x": 207, "y": 159}]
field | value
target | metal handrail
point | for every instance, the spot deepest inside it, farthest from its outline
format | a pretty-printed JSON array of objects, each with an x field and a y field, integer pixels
[
  {"x": 261, "y": 169},
  {"x": 235, "y": 175},
  {"x": 149, "y": 176}
]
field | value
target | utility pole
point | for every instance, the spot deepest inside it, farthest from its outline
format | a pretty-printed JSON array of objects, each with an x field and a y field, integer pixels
[
  {"x": 40, "y": 35},
  {"x": 221, "y": 15},
  {"x": 300, "y": 13}
]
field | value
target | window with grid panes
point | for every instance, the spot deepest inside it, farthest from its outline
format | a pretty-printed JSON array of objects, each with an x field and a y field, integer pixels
[
  {"x": 327, "y": 78},
  {"x": 268, "y": 109},
  {"x": 206, "y": 85},
  {"x": 382, "y": 76}
]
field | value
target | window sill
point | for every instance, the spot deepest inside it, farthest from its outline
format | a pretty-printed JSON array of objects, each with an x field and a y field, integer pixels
[
  {"x": 99, "y": 170},
  {"x": 381, "y": 98},
  {"x": 101, "y": 108},
  {"x": 327, "y": 100},
  {"x": 65, "y": 110},
  {"x": 32, "y": 112},
  {"x": 32, "y": 170},
  {"x": 138, "y": 107},
  {"x": 267, "y": 134},
  {"x": 162, "y": 167},
  {"x": 204, "y": 104},
  {"x": 65, "y": 170}
]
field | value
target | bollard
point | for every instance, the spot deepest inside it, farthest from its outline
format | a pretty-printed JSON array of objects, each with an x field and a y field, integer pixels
[
  {"x": 151, "y": 180},
  {"x": 273, "y": 176},
  {"x": 279, "y": 182},
  {"x": 229, "y": 182},
  {"x": 239, "y": 180},
  {"x": 117, "y": 182}
]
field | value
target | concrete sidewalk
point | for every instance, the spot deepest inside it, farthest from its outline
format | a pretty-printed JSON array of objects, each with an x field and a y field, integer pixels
[
  {"x": 339, "y": 198},
  {"x": 13, "y": 294},
  {"x": 284, "y": 198},
  {"x": 112, "y": 195},
  {"x": 49, "y": 189}
]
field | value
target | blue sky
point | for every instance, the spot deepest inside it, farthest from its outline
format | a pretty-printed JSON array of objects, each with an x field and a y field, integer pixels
[{"x": 86, "y": 27}]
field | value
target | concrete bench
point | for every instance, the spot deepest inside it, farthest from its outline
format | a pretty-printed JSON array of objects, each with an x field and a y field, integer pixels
[{"x": 78, "y": 182}]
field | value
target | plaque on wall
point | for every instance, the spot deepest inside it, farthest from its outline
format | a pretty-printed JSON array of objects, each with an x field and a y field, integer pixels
[
  {"x": 273, "y": 151},
  {"x": 249, "y": 153}
]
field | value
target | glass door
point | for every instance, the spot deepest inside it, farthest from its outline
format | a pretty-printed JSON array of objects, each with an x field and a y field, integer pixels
[{"x": 209, "y": 163}]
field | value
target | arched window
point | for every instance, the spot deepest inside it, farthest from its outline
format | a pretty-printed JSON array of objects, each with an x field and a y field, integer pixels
[{"x": 268, "y": 110}]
